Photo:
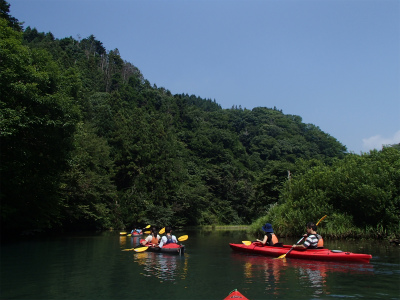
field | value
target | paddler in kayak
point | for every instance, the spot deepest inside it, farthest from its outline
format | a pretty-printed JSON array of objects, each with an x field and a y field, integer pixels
[
  {"x": 313, "y": 240},
  {"x": 168, "y": 238},
  {"x": 270, "y": 238},
  {"x": 153, "y": 238}
]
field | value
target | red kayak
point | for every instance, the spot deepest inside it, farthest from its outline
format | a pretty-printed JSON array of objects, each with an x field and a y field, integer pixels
[
  {"x": 311, "y": 254},
  {"x": 235, "y": 294}
]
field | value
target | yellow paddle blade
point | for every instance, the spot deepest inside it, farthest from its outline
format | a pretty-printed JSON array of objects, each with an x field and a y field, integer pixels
[
  {"x": 282, "y": 256},
  {"x": 122, "y": 233},
  {"x": 183, "y": 238},
  {"x": 128, "y": 249},
  {"x": 247, "y": 243},
  {"x": 128, "y": 234},
  {"x": 321, "y": 219},
  {"x": 141, "y": 249},
  {"x": 162, "y": 231},
  {"x": 147, "y": 232},
  {"x": 148, "y": 226}
]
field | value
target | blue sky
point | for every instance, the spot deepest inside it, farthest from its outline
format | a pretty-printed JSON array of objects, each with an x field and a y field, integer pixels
[{"x": 335, "y": 63}]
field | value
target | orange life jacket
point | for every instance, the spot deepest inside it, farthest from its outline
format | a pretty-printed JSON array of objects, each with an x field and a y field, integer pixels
[
  {"x": 154, "y": 240},
  {"x": 320, "y": 241},
  {"x": 274, "y": 239}
]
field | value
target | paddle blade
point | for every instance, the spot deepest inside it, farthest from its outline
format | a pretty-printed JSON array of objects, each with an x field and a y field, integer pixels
[
  {"x": 122, "y": 233},
  {"x": 162, "y": 231},
  {"x": 282, "y": 256},
  {"x": 141, "y": 249},
  {"x": 147, "y": 232},
  {"x": 128, "y": 234},
  {"x": 128, "y": 249},
  {"x": 247, "y": 243},
  {"x": 148, "y": 226},
  {"x": 183, "y": 238}
]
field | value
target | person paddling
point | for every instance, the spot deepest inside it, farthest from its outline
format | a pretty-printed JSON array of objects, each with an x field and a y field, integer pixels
[
  {"x": 153, "y": 238},
  {"x": 168, "y": 238},
  {"x": 269, "y": 238},
  {"x": 313, "y": 240}
]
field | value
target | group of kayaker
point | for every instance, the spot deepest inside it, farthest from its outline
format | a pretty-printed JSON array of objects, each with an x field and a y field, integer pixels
[
  {"x": 313, "y": 239},
  {"x": 156, "y": 241}
]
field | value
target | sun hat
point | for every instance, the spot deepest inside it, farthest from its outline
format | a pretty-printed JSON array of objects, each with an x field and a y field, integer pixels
[{"x": 267, "y": 228}]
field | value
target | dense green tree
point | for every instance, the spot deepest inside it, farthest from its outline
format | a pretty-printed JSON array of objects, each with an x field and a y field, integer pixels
[
  {"x": 359, "y": 193},
  {"x": 87, "y": 191},
  {"x": 5, "y": 14},
  {"x": 37, "y": 121}
]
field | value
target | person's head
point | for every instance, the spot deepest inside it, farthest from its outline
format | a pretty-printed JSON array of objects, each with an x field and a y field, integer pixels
[
  {"x": 168, "y": 229},
  {"x": 267, "y": 228},
  {"x": 311, "y": 226},
  {"x": 154, "y": 231}
]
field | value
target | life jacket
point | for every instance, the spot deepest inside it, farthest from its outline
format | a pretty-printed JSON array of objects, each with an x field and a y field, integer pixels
[
  {"x": 272, "y": 239},
  {"x": 169, "y": 239},
  {"x": 154, "y": 240},
  {"x": 320, "y": 241}
]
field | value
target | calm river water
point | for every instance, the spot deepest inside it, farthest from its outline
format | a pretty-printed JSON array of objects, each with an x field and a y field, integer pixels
[{"x": 93, "y": 266}]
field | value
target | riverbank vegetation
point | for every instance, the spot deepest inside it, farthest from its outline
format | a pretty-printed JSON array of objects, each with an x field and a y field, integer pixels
[
  {"x": 360, "y": 195},
  {"x": 88, "y": 143}
]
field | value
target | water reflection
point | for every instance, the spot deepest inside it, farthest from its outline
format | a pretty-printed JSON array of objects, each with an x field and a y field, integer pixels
[
  {"x": 163, "y": 266},
  {"x": 128, "y": 241},
  {"x": 266, "y": 269},
  {"x": 122, "y": 241},
  {"x": 277, "y": 272}
]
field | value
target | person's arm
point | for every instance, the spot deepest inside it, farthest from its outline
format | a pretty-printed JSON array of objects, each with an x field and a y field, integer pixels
[
  {"x": 145, "y": 241},
  {"x": 174, "y": 239},
  {"x": 163, "y": 240},
  {"x": 264, "y": 241},
  {"x": 304, "y": 246}
]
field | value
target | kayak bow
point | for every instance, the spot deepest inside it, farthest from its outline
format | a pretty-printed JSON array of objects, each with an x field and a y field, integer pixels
[{"x": 235, "y": 294}]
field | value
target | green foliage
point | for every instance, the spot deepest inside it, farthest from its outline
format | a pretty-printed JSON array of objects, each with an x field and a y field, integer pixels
[
  {"x": 4, "y": 14},
  {"x": 37, "y": 121},
  {"x": 87, "y": 192},
  {"x": 358, "y": 193}
]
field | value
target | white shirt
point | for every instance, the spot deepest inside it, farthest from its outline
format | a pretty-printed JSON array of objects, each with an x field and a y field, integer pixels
[{"x": 164, "y": 240}]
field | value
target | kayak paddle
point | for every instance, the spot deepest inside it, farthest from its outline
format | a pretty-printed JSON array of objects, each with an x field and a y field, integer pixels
[
  {"x": 140, "y": 249},
  {"x": 284, "y": 255},
  {"x": 122, "y": 233},
  {"x": 183, "y": 238},
  {"x": 162, "y": 231},
  {"x": 247, "y": 243}
]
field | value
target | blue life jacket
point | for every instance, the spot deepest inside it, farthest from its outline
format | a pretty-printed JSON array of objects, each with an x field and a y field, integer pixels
[{"x": 169, "y": 239}]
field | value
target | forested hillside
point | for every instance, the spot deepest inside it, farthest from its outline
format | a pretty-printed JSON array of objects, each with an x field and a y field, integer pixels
[{"x": 87, "y": 142}]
